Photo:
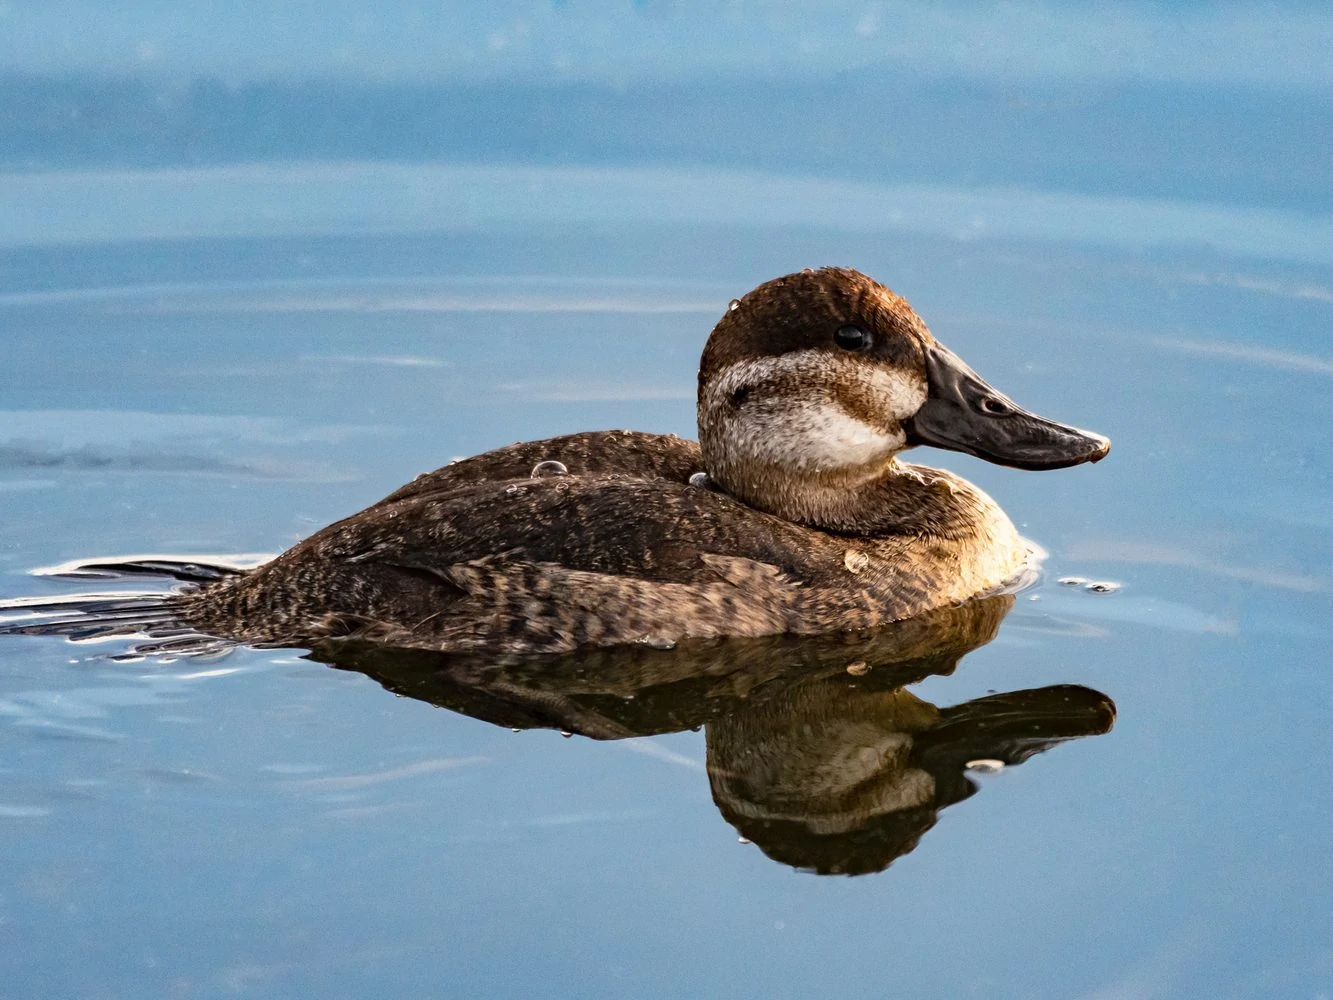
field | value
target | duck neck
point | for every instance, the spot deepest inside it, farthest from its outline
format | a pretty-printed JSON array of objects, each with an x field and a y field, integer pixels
[{"x": 901, "y": 500}]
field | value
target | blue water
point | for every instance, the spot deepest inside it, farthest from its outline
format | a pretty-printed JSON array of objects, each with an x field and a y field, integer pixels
[{"x": 256, "y": 271}]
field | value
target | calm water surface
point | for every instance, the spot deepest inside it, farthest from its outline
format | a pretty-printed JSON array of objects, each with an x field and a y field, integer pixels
[{"x": 220, "y": 357}]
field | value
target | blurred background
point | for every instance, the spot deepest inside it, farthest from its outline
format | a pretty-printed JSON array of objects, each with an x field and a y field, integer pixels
[
  {"x": 261, "y": 263},
  {"x": 1204, "y": 103}
]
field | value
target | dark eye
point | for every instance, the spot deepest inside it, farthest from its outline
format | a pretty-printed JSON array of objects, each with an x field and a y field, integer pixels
[
  {"x": 993, "y": 406},
  {"x": 851, "y": 338}
]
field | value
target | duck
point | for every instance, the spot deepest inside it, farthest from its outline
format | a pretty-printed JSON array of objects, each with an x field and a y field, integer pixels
[{"x": 793, "y": 513}]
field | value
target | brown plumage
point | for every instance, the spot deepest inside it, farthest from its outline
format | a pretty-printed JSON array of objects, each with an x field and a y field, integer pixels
[{"x": 808, "y": 522}]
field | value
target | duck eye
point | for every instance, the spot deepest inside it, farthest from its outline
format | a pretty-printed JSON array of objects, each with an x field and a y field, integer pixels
[
  {"x": 851, "y": 338},
  {"x": 993, "y": 406}
]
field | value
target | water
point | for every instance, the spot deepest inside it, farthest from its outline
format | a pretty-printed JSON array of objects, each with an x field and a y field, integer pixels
[{"x": 236, "y": 305}]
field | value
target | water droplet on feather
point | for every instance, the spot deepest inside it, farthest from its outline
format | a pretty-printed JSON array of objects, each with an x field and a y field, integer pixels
[
  {"x": 550, "y": 467},
  {"x": 855, "y": 560}
]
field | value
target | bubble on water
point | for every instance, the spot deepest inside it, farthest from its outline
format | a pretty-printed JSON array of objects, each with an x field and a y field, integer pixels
[
  {"x": 515, "y": 729},
  {"x": 1035, "y": 597},
  {"x": 742, "y": 840},
  {"x": 701, "y": 480},
  {"x": 511, "y": 490},
  {"x": 733, "y": 305},
  {"x": 550, "y": 467},
  {"x": 566, "y": 733},
  {"x": 1073, "y": 581},
  {"x": 986, "y": 765},
  {"x": 855, "y": 560},
  {"x": 858, "y": 669}
]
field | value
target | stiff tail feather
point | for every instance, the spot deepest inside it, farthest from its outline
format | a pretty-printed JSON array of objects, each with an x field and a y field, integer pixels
[{"x": 149, "y": 620}]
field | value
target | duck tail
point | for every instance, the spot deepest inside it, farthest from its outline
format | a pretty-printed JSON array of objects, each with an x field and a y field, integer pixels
[
  {"x": 150, "y": 620},
  {"x": 184, "y": 569}
]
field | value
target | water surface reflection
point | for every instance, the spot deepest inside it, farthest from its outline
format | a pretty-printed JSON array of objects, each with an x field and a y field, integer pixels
[{"x": 816, "y": 752}]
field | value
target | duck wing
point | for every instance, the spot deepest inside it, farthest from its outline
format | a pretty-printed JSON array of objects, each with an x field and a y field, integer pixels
[
  {"x": 593, "y": 453},
  {"x": 530, "y": 565}
]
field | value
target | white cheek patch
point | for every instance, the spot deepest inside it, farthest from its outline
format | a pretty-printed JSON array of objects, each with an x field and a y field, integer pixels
[
  {"x": 901, "y": 393},
  {"x": 808, "y": 428},
  {"x": 814, "y": 436}
]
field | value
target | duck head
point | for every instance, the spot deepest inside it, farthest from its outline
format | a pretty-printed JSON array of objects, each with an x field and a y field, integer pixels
[{"x": 816, "y": 380}]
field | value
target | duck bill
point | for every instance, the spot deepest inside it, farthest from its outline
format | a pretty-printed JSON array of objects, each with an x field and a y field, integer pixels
[{"x": 963, "y": 413}]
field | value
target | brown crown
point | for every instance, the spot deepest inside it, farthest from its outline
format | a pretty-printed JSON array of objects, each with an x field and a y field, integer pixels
[{"x": 801, "y": 311}]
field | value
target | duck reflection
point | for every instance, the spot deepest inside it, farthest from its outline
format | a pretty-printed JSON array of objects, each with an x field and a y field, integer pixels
[{"x": 815, "y": 751}]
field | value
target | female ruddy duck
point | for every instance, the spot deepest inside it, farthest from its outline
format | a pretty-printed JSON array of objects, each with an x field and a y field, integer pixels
[{"x": 805, "y": 522}]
